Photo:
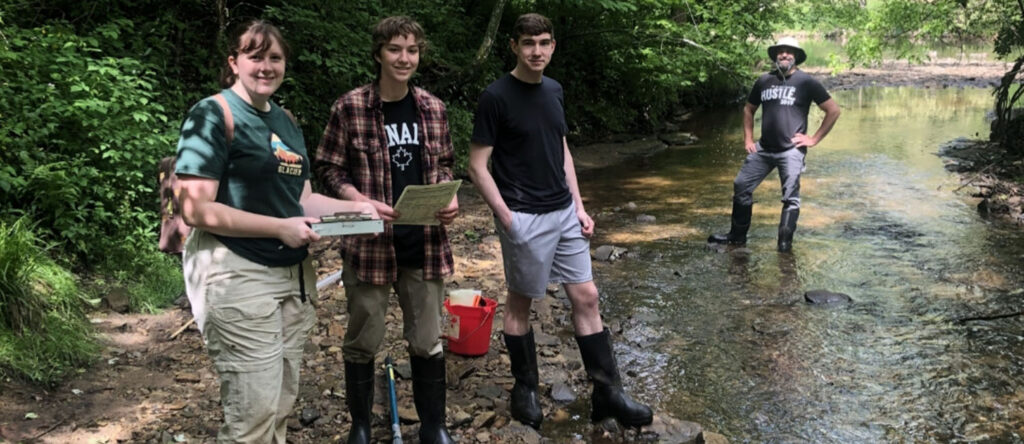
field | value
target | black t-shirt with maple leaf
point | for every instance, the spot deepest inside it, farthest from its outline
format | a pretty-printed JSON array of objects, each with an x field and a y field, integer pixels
[{"x": 405, "y": 146}]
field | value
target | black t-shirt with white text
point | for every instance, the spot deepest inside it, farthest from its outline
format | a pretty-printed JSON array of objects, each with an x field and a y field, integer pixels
[
  {"x": 786, "y": 102},
  {"x": 525, "y": 123},
  {"x": 405, "y": 152}
]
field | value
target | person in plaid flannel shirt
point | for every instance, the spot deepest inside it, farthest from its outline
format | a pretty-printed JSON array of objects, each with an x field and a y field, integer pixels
[{"x": 382, "y": 137}]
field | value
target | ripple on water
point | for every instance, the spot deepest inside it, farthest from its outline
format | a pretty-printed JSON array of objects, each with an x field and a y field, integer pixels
[{"x": 726, "y": 340}]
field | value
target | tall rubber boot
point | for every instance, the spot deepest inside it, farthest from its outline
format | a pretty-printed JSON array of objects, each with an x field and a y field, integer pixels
[
  {"x": 608, "y": 398},
  {"x": 359, "y": 397},
  {"x": 522, "y": 351},
  {"x": 787, "y": 226},
  {"x": 737, "y": 235},
  {"x": 429, "y": 394}
]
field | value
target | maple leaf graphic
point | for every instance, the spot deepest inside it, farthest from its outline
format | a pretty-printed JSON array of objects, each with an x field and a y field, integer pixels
[{"x": 402, "y": 158}]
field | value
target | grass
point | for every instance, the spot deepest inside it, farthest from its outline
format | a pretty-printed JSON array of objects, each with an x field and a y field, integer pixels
[
  {"x": 152, "y": 280},
  {"x": 44, "y": 334}
]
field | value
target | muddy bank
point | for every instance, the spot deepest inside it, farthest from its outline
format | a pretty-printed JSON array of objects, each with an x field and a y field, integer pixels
[
  {"x": 989, "y": 174},
  {"x": 941, "y": 73}
]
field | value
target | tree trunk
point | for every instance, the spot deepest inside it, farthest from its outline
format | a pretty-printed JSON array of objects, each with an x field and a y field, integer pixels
[{"x": 492, "y": 30}]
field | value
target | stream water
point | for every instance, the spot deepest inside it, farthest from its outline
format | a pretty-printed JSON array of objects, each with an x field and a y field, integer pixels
[{"x": 725, "y": 339}]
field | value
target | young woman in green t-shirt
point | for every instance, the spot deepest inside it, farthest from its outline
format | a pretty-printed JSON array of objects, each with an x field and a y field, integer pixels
[{"x": 245, "y": 189}]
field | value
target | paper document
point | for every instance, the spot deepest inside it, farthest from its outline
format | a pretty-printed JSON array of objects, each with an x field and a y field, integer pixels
[{"x": 419, "y": 204}]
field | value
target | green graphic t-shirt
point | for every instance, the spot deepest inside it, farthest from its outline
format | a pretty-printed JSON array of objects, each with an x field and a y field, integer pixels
[{"x": 263, "y": 170}]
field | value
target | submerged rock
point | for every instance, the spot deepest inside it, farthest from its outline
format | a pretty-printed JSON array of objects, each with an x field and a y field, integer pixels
[
  {"x": 118, "y": 300},
  {"x": 672, "y": 430},
  {"x": 824, "y": 297},
  {"x": 561, "y": 392},
  {"x": 608, "y": 253},
  {"x": 678, "y": 138}
]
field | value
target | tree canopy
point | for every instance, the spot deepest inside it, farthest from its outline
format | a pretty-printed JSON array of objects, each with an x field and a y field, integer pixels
[{"x": 96, "y": 90}]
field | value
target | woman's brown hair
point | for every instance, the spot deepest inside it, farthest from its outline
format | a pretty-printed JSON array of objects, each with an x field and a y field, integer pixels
[{"x": 253, "y": 35}]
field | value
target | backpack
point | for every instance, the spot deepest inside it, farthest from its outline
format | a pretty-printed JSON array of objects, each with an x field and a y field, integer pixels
[{"x": 173, "y": 229}]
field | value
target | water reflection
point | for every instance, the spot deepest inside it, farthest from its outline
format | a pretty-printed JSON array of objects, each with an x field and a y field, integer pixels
[{"x": 746, "y": 357}]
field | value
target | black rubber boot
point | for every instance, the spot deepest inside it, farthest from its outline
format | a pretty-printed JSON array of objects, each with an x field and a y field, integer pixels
[
  {"x": 522, "y": 351},
  {"x": 787, "y": 226},
  {"x": 429, "y": 394},
  {"x": 737, "y": 235},
  {"x": 608, "y": 398},
  {"x": 359, "y": 397}
]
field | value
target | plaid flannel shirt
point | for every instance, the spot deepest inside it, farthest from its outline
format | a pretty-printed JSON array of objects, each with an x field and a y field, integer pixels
[{"x": 354, "y": 151}]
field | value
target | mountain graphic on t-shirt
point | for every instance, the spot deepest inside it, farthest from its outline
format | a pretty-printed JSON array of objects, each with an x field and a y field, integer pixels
[{"x": 281, "y": 151}]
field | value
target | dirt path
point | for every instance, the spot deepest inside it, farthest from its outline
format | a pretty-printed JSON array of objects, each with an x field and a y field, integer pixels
[{"x": 150, "y": 388}]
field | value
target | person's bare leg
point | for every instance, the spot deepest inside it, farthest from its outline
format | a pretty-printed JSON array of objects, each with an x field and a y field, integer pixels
[
  {"x": 517, "y": 314},
  {"x": 586, "y": 312}
]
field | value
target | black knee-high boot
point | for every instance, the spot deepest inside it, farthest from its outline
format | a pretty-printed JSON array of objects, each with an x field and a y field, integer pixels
[
  {"x": 429, "y": 394},
  {"x": 608, "y": 398},
  {"x": 787, "y": 226},
  {"x": 359, "y": 397},
  {"x": 741, "y": 215},
  {"x": 522, "y": 352}
]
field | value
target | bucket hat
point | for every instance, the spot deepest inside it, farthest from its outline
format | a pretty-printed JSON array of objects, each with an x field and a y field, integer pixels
[{"x": 788, "y": 42}]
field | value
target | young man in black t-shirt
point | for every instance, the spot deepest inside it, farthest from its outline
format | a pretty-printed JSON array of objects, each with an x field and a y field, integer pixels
[
  {"x": 544, "y": 231},
  {"x": 786, "y": 94}
]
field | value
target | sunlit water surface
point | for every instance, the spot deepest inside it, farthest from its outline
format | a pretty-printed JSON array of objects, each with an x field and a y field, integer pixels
[{"x": 726, "y": 339}]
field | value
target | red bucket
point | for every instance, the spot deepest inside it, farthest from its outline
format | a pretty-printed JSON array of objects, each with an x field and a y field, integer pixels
[{"x": 469, "y": 327}]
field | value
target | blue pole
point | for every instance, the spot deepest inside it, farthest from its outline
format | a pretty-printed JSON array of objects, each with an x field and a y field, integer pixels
[{"x": 396, "y": 431}]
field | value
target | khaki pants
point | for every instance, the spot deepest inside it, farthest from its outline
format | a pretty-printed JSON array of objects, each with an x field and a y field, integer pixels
[
  {"x": 421, "y": 303},
  {"x": 254, "y": 324}
]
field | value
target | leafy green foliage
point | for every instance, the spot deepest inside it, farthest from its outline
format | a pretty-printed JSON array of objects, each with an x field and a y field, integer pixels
[
  {"x": 904, "y": 29},
  {"x": 81, "y": 133}
]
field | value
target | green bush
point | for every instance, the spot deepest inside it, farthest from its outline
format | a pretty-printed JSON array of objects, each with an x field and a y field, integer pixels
[
  {"x": 43, "y": 332},
  {"x": 82, "y": 134}
]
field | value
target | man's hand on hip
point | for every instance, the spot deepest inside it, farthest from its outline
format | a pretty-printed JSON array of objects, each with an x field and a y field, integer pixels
[
  {"x": 803, "y": 140},
  {"x": 751, "y": 147}
]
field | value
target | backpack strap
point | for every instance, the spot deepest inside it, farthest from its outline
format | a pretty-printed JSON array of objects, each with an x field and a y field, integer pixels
[
  {"x": 229, "y": 120},
  {"x": 290, "y": 116}
]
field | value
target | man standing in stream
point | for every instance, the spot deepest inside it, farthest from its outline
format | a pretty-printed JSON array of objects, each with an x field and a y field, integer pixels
[{"x": 786, "y": 94}]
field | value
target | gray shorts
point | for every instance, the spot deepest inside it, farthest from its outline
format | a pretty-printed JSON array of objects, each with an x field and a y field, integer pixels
[{"x": 544, "y": 248}]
